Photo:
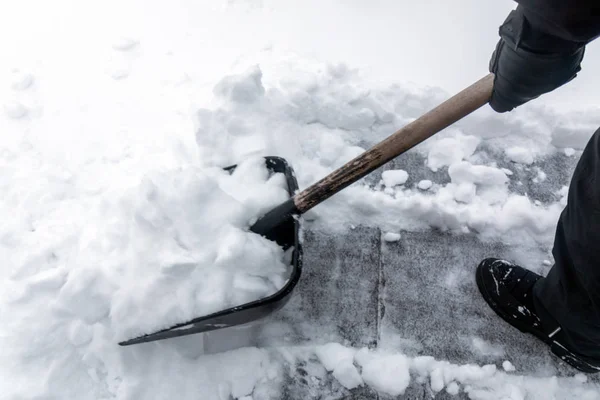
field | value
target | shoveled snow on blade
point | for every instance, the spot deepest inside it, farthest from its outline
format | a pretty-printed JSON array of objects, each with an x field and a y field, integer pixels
[{"x": 174, "y": 248}]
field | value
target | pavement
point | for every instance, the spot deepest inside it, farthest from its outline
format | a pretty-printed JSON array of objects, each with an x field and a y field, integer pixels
[{"x": 417, "y": 295}]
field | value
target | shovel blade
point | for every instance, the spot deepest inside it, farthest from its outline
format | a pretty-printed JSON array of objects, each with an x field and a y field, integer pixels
[{"x": 286, "y": 235}]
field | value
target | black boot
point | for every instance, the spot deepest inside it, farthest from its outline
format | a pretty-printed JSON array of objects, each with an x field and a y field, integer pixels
[{"x": 507, "y": 288}]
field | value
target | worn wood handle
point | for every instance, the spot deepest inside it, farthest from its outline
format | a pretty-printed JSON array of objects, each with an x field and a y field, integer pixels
[{"x": 444, "y": 115}]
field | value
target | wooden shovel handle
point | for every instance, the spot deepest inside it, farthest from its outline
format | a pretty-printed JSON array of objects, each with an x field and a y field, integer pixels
[{"x": 444, "y": 115}]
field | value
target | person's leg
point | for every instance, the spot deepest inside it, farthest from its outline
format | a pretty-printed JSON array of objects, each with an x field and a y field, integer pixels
[
  {"x": 569, "y": 297},
  {"x": 563, "y": 309}
]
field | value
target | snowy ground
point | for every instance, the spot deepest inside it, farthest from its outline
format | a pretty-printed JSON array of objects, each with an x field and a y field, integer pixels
[{"x": 93, "y": 104}]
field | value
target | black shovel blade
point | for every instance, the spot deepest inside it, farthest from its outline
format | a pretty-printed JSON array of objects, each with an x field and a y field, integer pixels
[{"x": 286, "y": 235}]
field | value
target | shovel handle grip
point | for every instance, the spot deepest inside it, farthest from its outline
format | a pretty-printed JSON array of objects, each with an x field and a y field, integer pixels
[{"x": 444, "y": 115}]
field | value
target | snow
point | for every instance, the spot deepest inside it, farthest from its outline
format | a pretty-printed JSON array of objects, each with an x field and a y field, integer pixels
[
  {"x": 393, "y": 178},
  {"x": 125, "y": 44},
  {"x": 388, "y": 373},
  {"x": 450, "y": 150},
  {"x": 572, "y": 134},
  {"x": 485, "y": 348},
  {"x": 391, "y": 236},
  {"x": 425, "y": 184},
  {"x": 507, "y": 366},
  {"x": 465, "y": 172},
  {"x": 117, "y": 218},
  {"x": 15, "y": 110},
  {"x": 520, "y": 155},
  {"x": 202, "y": 259},
  {"x": 333, "y": 354},
  {"x": 453, "y": 388}
]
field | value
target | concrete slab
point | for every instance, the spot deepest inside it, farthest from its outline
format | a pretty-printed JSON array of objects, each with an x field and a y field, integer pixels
[{"x": 417, "y": 296}]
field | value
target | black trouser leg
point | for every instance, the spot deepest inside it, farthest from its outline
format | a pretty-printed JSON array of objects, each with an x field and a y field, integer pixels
[{"x": 570, "y": 294}]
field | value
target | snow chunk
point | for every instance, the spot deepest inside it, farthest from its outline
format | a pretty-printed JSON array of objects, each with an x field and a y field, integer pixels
[
  {"x": 437, "y": 379},
  {"x": 425, "y": 184},
  {"x": 464, "y": 192},
  {"x": 479, "y": 174},
  {"x": 244, "y": 89},
  {"x": 453, "y": 388},
  {"x": 125, "y": 44},
  {"x": 15, "y": 110},
  {"x": 80, "y": 333},
  {"x": 573, "y": 135},
  {"x": 333, "y": 354},
  {"x": 203, "y": 259},
  {"x": 393, "y": 178},
  {"x": 119, "y": 73},
  {"x": 541, "y": 176},
  {"x": 21, "y": 81},
  {"x": 451, "y": 150},
  {"x": 507, "y": 366},
  {"x": 340, "y": 360},
  {"x": 347, "y": 375},
  {"x": 87, "y": 294},
  {"x": 388, "y": 374},
  {"x": 569, "y": 151},
  {"x": 391, "y": 237},
  {"x": 520, "y": 155}
]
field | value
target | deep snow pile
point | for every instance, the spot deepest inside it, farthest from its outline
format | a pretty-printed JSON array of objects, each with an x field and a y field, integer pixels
[
  {"x": 322, "y": 116},
  {"x": 91, "y": 202}
]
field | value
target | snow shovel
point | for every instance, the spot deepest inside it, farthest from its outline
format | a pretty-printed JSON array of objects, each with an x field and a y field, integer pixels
[{"x": 282, "y": 225}]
